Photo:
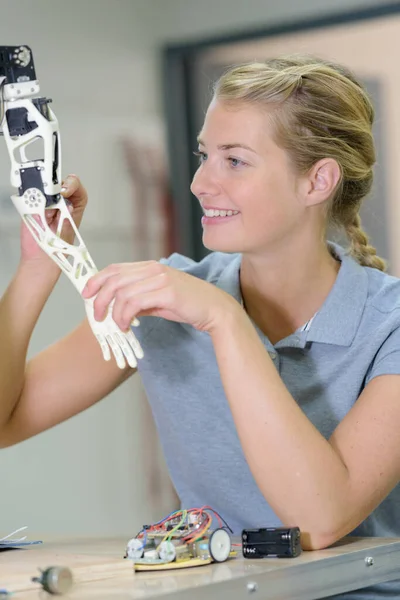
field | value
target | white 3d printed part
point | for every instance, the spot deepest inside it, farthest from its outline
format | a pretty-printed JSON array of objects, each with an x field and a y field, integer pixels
[{"x": 25, "y": 120}]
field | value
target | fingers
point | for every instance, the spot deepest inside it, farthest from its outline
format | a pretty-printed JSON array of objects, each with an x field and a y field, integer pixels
[
  {"x": 115, "y": 277},
  {"x": 135, "y": 345},
  {"x": 127, "y": 349},
  {"x": 95, "y": 283},
  {"x": 73, "y": 190},
  {"x": 119, "y": 286},
  {"x": 144, "y": 295},
  {"x": 123, "y": 295},
  {"x": 104, "y": 347},
  {"x": 150, "y": 302},
  {"x": 70, "y": 185}
]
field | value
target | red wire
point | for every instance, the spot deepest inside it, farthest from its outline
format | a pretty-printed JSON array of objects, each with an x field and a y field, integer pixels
[
  {"x": 195, "y": 534},
  {"x": 213, "y": 511},
  {"x": 204, "y": 519}
]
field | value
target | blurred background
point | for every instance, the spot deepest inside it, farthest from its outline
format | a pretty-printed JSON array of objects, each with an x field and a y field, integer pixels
[{"x": 130, "y": 80}]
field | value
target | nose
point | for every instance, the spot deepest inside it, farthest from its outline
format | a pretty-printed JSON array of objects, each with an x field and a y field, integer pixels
[{"x": 204, "y": 182}]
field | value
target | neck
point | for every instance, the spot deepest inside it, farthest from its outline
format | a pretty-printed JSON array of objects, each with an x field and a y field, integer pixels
[{"x": 284, "y": 290}]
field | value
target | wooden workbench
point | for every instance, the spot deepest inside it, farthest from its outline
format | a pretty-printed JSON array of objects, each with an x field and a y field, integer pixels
[{"x": 100, "y": 571}]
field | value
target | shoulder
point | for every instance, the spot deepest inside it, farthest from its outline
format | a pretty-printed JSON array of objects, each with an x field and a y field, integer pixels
[
  {"x": 383, "y": 292},
  {"x": 366, "y": 290},
  {"x": 209, "y": 268},
  {"x": 382, "y": 321},
  {"x": 383, "y": 297}
]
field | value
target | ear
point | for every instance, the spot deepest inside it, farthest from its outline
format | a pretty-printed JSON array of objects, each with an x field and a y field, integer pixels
[{"x": 323, "y": 179}]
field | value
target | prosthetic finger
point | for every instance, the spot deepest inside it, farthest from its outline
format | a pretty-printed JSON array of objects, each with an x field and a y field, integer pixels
[{"x": 27, "y": 120}]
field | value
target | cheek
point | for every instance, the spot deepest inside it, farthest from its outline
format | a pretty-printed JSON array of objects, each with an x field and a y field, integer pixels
[
  {"x": 272, "y": 204},
  {"x": 272, "y": 195}
]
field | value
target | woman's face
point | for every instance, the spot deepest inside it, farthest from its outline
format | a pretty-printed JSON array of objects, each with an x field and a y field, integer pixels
[{"x": 250, "y": 195}]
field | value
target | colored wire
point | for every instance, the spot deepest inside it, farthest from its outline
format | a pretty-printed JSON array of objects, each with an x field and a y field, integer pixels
[
  {"x": 219, "y": 517},
  {"x": 169, "y": 535},
  {"x": 192, "y": 531},
  {"x": 175, "y": 512},
  {"x": 201, "y": 533},
  {"x": 204, "y": 526}
]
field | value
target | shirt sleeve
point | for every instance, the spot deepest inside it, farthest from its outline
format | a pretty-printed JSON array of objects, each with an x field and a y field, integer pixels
[
  {"x": 177, "y": 261},
  {"x": 387, "y": 359}
]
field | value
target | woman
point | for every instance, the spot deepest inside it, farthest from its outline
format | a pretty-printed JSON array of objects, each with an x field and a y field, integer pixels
[{"x": 272, "y": 365}]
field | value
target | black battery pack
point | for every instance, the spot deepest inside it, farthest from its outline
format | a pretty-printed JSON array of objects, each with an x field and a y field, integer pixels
[{"x": 272, "y": 542}]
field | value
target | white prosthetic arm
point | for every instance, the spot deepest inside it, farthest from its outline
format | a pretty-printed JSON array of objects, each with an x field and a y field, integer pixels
[{"x": 25, "y": 119}]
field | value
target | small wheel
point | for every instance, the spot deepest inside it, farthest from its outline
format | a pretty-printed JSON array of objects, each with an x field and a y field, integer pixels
[
  {"x": 134, "y": 549},
  {"x": 220, "y": 545},
  {"x": 166, "y": 551}
]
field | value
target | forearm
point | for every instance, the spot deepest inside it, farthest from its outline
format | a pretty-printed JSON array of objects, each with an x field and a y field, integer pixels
[
  {"x": 295, "y": 467},
  {"x": 20, "y": 308}
]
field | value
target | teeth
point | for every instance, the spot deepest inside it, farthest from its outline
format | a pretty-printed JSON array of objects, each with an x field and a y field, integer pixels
[{"x": 220, "y": 213}]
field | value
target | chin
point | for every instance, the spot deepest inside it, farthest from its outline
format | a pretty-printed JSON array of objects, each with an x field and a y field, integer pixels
[{"x": 227, "y": 246}]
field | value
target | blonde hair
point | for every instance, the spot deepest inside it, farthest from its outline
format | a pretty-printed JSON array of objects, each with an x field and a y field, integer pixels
[{"x": 321, "y": 111}]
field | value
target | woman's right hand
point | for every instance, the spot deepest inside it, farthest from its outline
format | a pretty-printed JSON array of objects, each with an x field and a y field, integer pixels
[{"x": 76, "y": 195}]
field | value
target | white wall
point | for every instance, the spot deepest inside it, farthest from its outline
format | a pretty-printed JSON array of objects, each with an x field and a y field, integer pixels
[
  {"x": 181, "y": 20},
  {"x": 100, "y": 62},
  {"x": 95, "y": 59}
]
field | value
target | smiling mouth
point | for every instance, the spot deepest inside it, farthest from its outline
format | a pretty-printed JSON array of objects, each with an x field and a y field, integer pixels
[{"x": 211, "y": 212}]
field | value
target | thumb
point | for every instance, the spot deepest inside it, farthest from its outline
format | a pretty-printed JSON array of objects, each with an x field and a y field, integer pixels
[{"x": 69, "y": 185}]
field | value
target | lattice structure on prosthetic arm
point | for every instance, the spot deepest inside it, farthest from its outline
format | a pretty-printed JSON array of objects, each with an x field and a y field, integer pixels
[{"x": 26, "y": 119}]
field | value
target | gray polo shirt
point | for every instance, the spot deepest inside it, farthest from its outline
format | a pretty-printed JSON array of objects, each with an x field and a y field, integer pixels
[{"x": 354, "y": 337}]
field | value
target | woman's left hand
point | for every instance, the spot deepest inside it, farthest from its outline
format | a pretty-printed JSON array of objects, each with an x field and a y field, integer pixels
[{"x": 151, "y": 288}]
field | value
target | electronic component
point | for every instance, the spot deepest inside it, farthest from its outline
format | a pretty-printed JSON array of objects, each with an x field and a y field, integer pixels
[
  {"x": 201, "y": 549},
  {"x": 273, "y": 542},
  {"x": 16, "y": 64},
  {"x": 150, "y": 555},
  {"x": 184, "y": 538}
]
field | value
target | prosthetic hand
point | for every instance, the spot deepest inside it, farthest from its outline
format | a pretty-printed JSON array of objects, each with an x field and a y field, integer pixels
[{"x": 26, "y": 120}]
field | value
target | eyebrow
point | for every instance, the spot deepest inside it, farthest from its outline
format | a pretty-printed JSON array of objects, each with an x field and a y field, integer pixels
[{"x": 229, "y": 146}]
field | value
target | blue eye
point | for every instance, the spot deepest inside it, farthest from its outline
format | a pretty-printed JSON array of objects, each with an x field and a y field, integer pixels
[
  {"x": 235, "y": 162},
  {"x": 202, "y": 156}
]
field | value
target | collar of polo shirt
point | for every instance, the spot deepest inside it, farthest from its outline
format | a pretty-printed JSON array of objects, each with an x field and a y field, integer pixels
[{"x": 337, "y": 320}]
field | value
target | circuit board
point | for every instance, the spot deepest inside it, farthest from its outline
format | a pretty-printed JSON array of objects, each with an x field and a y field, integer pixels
[{"x": 185, "y": 538}]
